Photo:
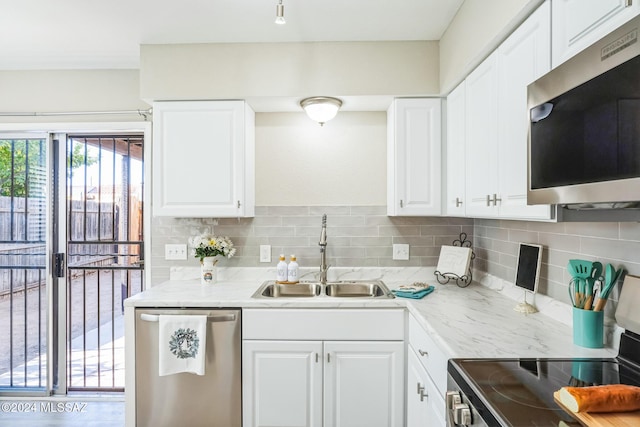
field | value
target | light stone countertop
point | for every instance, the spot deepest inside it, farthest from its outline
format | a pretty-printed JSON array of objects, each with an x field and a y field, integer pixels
[{"x": 472, "y": 322}]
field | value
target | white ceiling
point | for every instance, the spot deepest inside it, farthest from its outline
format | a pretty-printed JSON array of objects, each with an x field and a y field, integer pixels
[{"x": 64, "y": 34}]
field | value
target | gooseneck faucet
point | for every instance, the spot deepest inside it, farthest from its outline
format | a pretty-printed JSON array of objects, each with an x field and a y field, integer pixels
[{"x": 323, "y": 251}]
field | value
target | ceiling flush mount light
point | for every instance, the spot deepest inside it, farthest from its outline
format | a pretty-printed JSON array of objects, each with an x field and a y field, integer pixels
[
  {"x": 321, "y": 108},
  {"x": 280, "y": 14}
]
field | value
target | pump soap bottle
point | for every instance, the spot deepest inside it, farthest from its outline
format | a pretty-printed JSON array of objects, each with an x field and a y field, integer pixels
[
  {"x": 281, "y": 270},
  {"x": 292, "y": 270}
]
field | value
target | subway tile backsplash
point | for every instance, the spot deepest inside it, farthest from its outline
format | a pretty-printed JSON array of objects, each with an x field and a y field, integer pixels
[
  {"x": 357, "y": 235},
  {"x": 495, "y": 243},
  {"x": 363, "y": 236}
]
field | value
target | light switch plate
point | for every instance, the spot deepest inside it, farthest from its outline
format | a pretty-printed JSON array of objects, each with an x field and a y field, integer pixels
[
  {"x": 175, "y": 252},
  {"x": 265, "y": 253},
  {"x": 400, "y": 251}
]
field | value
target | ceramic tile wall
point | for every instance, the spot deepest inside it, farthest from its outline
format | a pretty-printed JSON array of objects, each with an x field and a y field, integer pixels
[
  {"x": 495, "y": 243},
  {"x": 357, "y": 236}
]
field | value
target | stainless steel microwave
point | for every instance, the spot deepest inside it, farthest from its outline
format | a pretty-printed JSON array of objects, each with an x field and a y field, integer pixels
[{"x": 584, "y": 132}]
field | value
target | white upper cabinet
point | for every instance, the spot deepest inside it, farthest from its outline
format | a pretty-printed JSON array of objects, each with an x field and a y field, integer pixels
[
  {"x": 413, "y": 157},
  {"x": 496, "y": 124},
  {"x": 521, "y": 59},
  {"x": 203, "y": 159},
  {"x": 481, "y": 128},
  {"x": 579, "y": 23},
  {"x": 455, "y": 185}
]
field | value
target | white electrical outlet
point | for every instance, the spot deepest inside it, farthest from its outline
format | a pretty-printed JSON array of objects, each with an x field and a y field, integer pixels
[
  {"x": 265, "y": 253},
  {"x": 175, "y": 252},
  {"x": 400, "y": 251}
]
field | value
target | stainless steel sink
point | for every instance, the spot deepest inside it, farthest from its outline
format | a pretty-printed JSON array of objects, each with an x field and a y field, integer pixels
[
  {"x": 356, "y": 290},
  {"x": 336, "y": 289},
  {"x": 298, "y": 290}
]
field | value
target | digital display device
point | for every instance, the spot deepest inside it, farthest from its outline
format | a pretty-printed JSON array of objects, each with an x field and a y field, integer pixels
[
  {"x": 528, "y": 270},
  {"x": 528, "y": 273}
]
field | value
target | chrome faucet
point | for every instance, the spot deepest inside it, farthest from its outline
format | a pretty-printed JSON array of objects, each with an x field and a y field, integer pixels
[{"x": 323, "y": 251}]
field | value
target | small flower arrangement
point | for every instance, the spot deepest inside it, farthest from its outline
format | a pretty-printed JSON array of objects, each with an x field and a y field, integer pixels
[{"x": 206, "y": 245}]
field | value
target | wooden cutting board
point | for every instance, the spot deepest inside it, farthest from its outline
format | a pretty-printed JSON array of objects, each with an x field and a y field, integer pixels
[{"x": 608, "y": 419}]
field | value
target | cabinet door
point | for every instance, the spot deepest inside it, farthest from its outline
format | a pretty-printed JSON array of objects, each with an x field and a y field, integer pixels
[
  {"x": 414, "y": 157},
  {"x": 425, "y": 406},
  {"x": 481, "y": 139},
  {"x": 203, "y": 159},
  {"x": 579, "y": 23},
  {"x": 417, "y": 403},
  {"x": 455, "y": 153},
  {"x": 364, "y": 384},
  {"x": 282, "y": 383},
  {"x": 522, "y": 58}
]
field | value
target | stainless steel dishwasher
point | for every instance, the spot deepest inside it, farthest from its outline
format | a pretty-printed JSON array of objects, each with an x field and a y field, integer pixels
[{"x": 211, "y": 400}]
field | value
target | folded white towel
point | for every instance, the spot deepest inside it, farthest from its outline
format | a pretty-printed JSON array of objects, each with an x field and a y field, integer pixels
[{"x": 182, "y": 344}]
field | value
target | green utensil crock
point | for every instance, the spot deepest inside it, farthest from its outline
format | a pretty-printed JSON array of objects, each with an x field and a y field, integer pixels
[{"x": 588, "y": 328}]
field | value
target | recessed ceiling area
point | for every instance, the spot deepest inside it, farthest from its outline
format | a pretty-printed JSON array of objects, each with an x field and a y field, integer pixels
[{"x": 81, "y": 34}]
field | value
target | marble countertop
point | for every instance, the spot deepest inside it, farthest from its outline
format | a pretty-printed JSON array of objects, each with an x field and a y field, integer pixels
[{"x": 473, "y": 322}]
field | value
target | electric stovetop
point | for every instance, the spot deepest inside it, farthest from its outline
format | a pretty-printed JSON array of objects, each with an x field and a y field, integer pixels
[{"x": 519, "y": 392}]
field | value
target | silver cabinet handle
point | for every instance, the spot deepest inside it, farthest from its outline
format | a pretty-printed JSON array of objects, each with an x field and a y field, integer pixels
[
  {"x": 328, "y": 357},
  {"x": 495, "y": 199},
  {"x": 401, "y": 203},
  {"x": 488, "y": 200},
  {"x": 420, "y": 388},
  {"x": 423, "y": 395},
  {"x": 423, "y": 353},
  {"x": 628, "y": 3},
  {"x": 458, "y": 202},
  {"x": 317, "y": 358},
  {"x": 238, "y": 204}
]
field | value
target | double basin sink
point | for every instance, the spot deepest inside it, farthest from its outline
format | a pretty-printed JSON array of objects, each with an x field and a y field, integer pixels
[{"x": 334, "y": 289}]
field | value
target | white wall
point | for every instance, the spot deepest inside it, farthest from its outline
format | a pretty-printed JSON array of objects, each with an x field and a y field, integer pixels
[
  {"x": 299, "y": 163},
  {"x": 477, "y": 29},
  {"x": 243, "y": 70},
  {"x": 69, "y": 90}
]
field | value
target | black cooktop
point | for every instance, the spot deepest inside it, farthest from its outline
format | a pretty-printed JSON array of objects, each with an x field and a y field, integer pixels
[{"x": 519, "y": 392}]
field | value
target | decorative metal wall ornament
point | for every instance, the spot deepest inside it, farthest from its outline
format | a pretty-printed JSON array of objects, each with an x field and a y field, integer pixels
[
  {"x": 184, "y": 343},
  {"x": 462, "y": 281}
]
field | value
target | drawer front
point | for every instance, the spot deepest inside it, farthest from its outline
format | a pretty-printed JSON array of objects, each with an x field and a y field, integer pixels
[
  {"x": 429, "y": 354},
  {"x": 323, "y": 324}
]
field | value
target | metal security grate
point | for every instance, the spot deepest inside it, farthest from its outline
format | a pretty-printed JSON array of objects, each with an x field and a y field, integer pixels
[
  {"x": 23, "y": 302},
  {"x": 105, "y": 257}
]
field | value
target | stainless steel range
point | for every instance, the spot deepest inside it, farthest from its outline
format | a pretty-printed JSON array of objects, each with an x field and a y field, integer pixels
[{"x": 519, "y": 392}]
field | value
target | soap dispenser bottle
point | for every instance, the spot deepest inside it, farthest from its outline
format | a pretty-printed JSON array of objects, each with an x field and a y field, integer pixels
[
  {"x": 281, "y": 270},
  {"x": 292, "y": 270}
]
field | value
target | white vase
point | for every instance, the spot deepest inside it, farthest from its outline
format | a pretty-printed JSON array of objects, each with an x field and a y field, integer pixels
[{"x": 208, "y": 272}]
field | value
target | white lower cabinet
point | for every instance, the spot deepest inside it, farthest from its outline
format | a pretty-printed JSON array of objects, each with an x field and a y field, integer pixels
[
  {"x": 425, "y": 405},
  {"x": 426, "y": 379},
  {"x": 282, "y": 383},
  {"x": 316, "y": 383},
  {"x": 350, "y": 373}
]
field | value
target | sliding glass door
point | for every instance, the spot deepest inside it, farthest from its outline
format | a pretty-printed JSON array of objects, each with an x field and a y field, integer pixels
[
  {"x": 25, "y": 214},
  {"x": 71, "y": 251}
]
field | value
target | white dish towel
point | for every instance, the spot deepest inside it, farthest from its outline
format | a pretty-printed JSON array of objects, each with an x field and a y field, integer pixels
[{"x": 182, "y": 343}]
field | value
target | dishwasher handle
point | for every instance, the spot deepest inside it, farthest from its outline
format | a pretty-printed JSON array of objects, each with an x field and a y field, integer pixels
[{"x": 210, "y": 318}]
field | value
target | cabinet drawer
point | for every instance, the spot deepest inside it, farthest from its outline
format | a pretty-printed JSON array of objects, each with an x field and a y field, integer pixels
[
  {"x": 323, "y": 324},
  {"x": 429, "y": 354}
]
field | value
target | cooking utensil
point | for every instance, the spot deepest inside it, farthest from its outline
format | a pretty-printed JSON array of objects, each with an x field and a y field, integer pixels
[
  {"x": 574, "y": 295},
  {"x": 596, "y": 274},
  {"x": 579, "y": 270},
  {"x": 611, "y": 277}
]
